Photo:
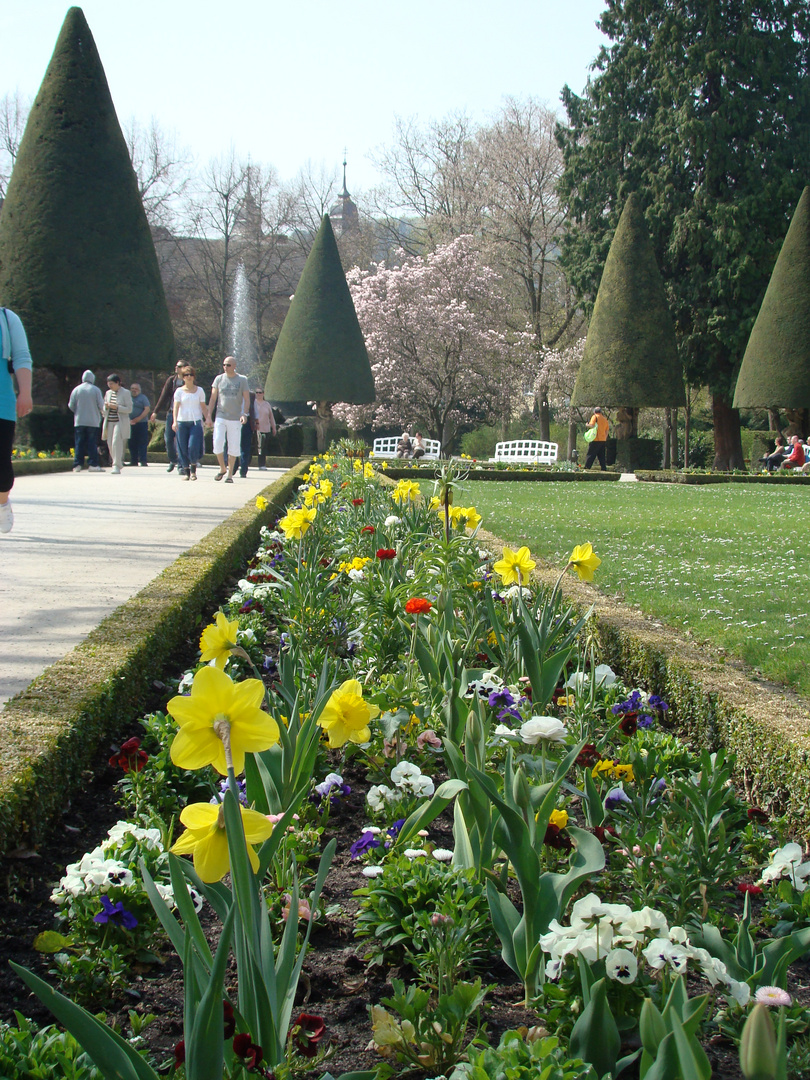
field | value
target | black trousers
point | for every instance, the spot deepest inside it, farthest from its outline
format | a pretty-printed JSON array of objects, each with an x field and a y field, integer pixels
[
  {"x": 6, "y": 444},
  {"x": 596, "y": 450}
]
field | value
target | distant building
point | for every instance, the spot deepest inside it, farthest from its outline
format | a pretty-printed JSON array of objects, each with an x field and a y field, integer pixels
[{"x": 343, "y": 214}]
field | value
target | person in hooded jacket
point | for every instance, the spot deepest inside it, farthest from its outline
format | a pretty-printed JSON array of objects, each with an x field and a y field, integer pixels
[{"x": 87, "y": 405}]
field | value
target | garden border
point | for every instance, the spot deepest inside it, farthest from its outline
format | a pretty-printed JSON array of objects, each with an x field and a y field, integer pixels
[{"x": 51, "y": 731}]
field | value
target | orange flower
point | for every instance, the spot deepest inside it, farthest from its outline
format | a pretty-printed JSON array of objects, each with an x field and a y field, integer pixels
[{"x": 418, "y": 606}]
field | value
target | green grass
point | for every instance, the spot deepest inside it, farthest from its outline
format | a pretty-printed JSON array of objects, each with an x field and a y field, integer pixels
[{"x": 726, "y": 563}]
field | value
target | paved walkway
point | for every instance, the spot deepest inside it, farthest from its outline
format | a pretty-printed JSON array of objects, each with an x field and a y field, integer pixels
[{"x": 83, "y": 543}]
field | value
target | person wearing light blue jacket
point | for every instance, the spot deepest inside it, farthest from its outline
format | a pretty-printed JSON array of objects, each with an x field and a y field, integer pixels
[{"x": 16, "y": 363}]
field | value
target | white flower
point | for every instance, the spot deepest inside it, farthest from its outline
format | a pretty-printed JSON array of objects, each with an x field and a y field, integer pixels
[
  {"x": 392, "y": 520},
  {"x": 503, "y": 731},
  {"x": 414, "y": 853},
  {"x": 554, "y": 967},
  {"x": 245, "y": 635},
  {"x": 356, "y": 575},
  {"x": 516, "y": 590},
  {"x": 403, "y": 773},
  {"x": 740, "y": 991},
  {"x": 590, "y": 909},
  {"x": 638, "y": 923},
  {"x": 442, "y": 854},
  {"x": 539, "y": 728},
  {"x": 410, "y": 574},
  {"x": 603, "y": 676},
  {"x": 378, "y": 796},
  {"x": 783, "y": 862},
  {"x": 185, "y": 682},
  {"x": 621, "y": 966},
  {"x": 483, "y": 554},
  {"x": 372, "y": 871},
  {"x": 773, "y": 995},
  {"x": 109, "y": 872},
  {"x": 166, "y": 893}
]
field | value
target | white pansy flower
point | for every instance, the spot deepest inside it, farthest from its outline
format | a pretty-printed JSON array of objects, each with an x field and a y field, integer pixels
[
  {"x": 378, "y": 796},
  {"x": 543, "y": 729},
  {"x": 603, "y": 676},
  {"x": 514, "y": 591},
  {"x": 591, "y": 907},
  {"x": 740, "y": 991},
  {"x": 621, "y": 966},
  {"x": 404, "y": 772}
]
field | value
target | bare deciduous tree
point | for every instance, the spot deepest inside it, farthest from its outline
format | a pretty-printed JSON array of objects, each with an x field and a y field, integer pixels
[
  {"x": 163, "y": 170},
  {"x": 14, "y": 110}
]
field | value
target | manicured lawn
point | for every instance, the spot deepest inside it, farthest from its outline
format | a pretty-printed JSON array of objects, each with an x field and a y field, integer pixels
[{"x": 728, "y": 563}]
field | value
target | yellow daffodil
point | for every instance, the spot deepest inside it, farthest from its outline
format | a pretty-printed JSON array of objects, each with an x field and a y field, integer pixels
[
  {"x": 205, "y": 838},
  {"x": 558, "y": 818},
  {"x": 357, "y": 563},
  {"x": 261, "y": 502},
  {"x": 296, "y": 522},
  {"x": 326, "y": 487},
  {"x": 515, "y": 567},
  {"x": 471, "y": 515},
  {"x": 313, "y": 496},
  {"x": 584, "y": 561},
  {"x": 345, "y": 717},
  {"x": 217, "y": 640},
  {"x": 405, "y": 491},
  {"x": 357, "y": 466},
  {"x": 368, "y": 470},
  {"x": 220, "y": 710}
]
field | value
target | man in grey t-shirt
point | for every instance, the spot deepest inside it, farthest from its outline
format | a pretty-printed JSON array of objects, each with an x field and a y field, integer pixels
[{"x": 231, "y": 397}]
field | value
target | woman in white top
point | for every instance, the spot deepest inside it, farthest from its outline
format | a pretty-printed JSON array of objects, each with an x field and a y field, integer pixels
[{"x": 189, "y": 411}]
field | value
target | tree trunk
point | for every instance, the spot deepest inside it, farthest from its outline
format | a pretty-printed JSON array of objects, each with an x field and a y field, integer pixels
[
  {"x": 667, "y": 438},
  {"x": 673, "y": 440},
  {"x": 544, "y": 414},
  {"x": 572, "y": 439},
  {"x": 773, "y": 421},
  {"x": 728, "y": 452}
]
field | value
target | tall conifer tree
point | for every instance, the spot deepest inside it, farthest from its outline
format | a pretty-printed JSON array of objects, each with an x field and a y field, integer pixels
[
  {"x": 704, "y": 106},
  {"x": 77, "y": 261}
]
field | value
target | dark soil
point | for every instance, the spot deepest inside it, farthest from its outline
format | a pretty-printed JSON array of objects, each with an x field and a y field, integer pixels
[{"x": 336, "y": 983}]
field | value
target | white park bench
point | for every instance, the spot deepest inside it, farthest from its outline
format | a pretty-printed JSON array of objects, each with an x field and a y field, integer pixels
[
  {"x": 530, "y": 451},
  {"x": 386, "y": 448}
]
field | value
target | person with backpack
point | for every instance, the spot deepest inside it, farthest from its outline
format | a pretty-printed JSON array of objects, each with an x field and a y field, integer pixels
[{"x": 16, "y": 364}]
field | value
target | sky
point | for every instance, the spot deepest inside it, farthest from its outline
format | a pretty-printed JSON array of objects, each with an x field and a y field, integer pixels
[{"x": 285, "y": 83}]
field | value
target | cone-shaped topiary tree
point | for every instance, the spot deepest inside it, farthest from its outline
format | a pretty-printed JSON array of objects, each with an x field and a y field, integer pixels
[
  {"x": 77, "y": 261},
  {"x": 775, "y": 369},
  {"x": 631, "y": 356},
  {"x": 320, "y": 354}
]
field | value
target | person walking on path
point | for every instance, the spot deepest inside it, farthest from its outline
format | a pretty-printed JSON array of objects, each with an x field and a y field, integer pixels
[
  {"x": 596, "y": 448},
  {"x": 230, "y": 397},
  {"x": 265, "y": 426},
  {"x": 246, "y": 441},
  {"x": 16, "y": 363},
  {"x": 87, "y": 405},
  {"x": 189, "y": 411},
  {"x": 139, "y": 426},
  {"x": 117, "y": 408},
  {"x": 164, "y": 411}
]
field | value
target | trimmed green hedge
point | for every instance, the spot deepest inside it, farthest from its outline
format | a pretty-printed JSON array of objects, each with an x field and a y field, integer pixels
[
  {"x": 425, "y": 472},
  {"x": 713, "y": 702},
  {"x": 39, "y": 466},
  {"x": 51, "y": 731},
  {"x": 723, "y": 478}
]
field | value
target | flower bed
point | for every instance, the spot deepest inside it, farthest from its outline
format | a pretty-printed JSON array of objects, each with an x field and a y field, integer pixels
[{"x": 519, "y": 803}]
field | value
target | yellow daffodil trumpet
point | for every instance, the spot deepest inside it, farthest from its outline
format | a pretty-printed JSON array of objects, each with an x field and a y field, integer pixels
[
  {"x": 218, "y": 640},
  {"x": 345, "y": 717},
  {"x": 220, "y": 722},
  {"x": 206, "y": 840},
  {"x": 515, "y": 567},
  {"x": 584, "y": 561}
]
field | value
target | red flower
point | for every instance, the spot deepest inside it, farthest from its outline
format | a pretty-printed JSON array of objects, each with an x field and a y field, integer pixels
[
  {"x": 358, "y": 502},
  {"x": 130, "y": 758},
  {"x": 556, "y": 838},
  {"x": 386, "y": 553},
  {"x": 629, "y": 724},
  {"x": 755, "y": 813},
  {"x": 245, "y": 1048},
  {"x": 228, "y": 1019},
  {"x": 601, "y": 832},
  {"x": 746, "y": 887},
  {"x": 307, "y": 1032},
  {"x": 588, "y": 756},
  {"x": 367, "y": 528},
  {"x": 180, "y": 1052},
  {"x": 417, "y": 605}
]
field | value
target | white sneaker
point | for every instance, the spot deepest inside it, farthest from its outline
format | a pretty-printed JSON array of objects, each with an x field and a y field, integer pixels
[
  {"x": 116, "y": 472},
  {"x": 6, "y": 517},
  {"x": 77, "y": 468},
  {"x": 95, "y": 468}
]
